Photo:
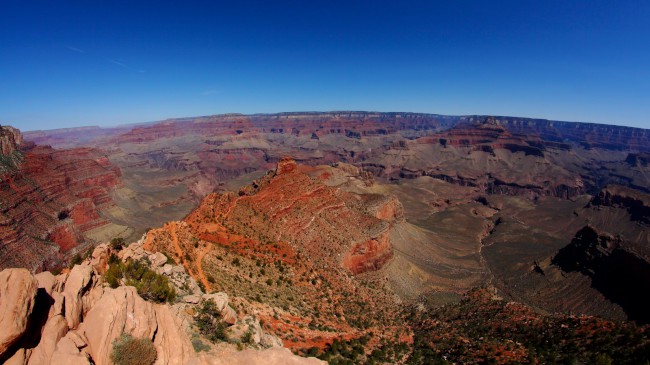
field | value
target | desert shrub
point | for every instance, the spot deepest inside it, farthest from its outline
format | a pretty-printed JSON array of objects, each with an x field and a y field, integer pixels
[
  {"x": 199, "y": 345},
  {"x": 247, "y": 337},
  {"x": 202, "y": 286},
  {"x": 150, "y": 285},
  {"x": 117, "y": 243},
  {"x": 114, "y": 274},
  {"x": 76, "y": 260},
  {"x": 128, "y": 350},
  {"x": 112, "y": 259},
  {"x": 209, "y": 322}
]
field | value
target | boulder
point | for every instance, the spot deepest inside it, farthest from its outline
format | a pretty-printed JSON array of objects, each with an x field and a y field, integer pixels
[
  {"x": 99, "y": 259},
  {"x": 46, "y": 280},
  {"x": 17, "y": 298},
  {"x": 134, "y": 251},
  {"x": 269, "y": 340},
  {"x": 157, "y": 259},
  {"x": 172, "y": 344},
  {"x": 55, "y": 328},
  {"x": 220, "y": 299},
  {"x": 229, "y": 315},
  {"x": 67, "y": 353},
  {"x": 75, "y": 285},
  {"x": 118, "y": 311}
]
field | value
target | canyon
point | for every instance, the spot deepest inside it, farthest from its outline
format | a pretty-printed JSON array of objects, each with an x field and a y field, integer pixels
[{"x": 306, "y": 220}]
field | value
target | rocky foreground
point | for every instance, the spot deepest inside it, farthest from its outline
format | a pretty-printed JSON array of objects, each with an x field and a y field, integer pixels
[{"x": 77, "y": 317}]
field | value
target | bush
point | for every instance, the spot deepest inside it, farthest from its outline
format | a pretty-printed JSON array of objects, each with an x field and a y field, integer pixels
[
  {"x": 128, "y": 350},
  {"x": 150, "y": 285},
  {"x": 199, "y": 345},
  {"x": 76, "y": 260},
  {"x": 117, "y": 243},
  {"x": 247, "y": 337},
  {"x": 208, "y": 321}
]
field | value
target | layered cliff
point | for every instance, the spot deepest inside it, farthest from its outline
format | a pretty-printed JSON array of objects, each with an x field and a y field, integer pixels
[
  {"x": 49, "y": 199},
  {"x": 177, "y": 162}
]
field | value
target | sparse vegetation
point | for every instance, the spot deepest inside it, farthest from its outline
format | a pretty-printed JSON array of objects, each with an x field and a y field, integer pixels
[
  {"x": 209, "y": 322},
  {"x": 76, "y": 260},
  {"x": 128, "y": 350},
  {"x": 505, "y": 332},
  {"x": 150, "y": 285},
  {"x": 117, "y": 244}
]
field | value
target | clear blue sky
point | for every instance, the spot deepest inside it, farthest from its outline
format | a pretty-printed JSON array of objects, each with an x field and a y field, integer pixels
[{"x": 96, "y": 62}]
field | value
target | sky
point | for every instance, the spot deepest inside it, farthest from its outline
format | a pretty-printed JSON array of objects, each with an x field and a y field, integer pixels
[{"x": 77, "y": 63}]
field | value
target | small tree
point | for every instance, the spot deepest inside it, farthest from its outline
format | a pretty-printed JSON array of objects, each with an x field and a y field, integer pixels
[{"x": 117, "y": 243}]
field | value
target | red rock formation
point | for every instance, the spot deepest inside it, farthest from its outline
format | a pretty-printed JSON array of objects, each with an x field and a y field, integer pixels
[
  {"x": 52, "y": 196},
  {"x": 10, "y": 140},
  {"x": 369, "y": 255}
]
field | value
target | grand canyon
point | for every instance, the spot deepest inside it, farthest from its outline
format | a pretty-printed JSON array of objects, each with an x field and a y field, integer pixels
[{"x": 346, "y": 237}]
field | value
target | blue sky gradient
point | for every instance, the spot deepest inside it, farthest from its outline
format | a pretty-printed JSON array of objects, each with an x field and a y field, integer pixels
[{"x": 74, "y": 63}]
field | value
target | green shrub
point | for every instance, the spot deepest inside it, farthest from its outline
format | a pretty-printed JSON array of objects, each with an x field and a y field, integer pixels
[
  {"x": 209, "y": 322},
  {"x": 117, "y": 243},
  {"x": 76, "y": 260},
  {"x": 247, "y": 338},
  {"x": 128, "y": 350},
  {"x": 150, "y": 285}
]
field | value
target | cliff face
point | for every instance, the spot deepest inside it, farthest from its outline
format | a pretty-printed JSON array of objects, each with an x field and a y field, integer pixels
[
  {"x": 588, "y": 135},
  {"x": 10, "y": 139},
  {"x": 636, "y": 203},
  {"x": 49, "y": 200},
  {"x": 177, "y": 162},
  {"x": 621, "y": 275}
]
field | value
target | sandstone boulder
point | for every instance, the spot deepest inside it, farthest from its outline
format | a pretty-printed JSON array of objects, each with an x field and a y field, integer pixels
[
  {"x": 46, "y": 280},
  {"x": 157, "y": 259},
  {"x": 172, "y": 344},
  {"x": 229, "y": 315},
  {"x": 220, "y": 299},
  {"x": 55, "y": 328},
  {"x": 17, "y": 298},
  {"x": 118, "y": 311},
  {"x": 134, "y": 251},
  {"x": 67, "y": 353},
  {"x": 75, "y": 285},
  {"x": 99, "y": 259}
]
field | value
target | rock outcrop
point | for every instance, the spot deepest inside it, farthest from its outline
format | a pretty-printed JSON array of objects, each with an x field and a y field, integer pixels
[
  {"x": 75, "y": 319},
  {"x": 610, "y": 264},
  {"x": 17, "y": 299},
  {"x": 10, "y": 140}
]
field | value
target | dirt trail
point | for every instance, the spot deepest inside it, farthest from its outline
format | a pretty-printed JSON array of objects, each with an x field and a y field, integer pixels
[
  {"x": 199, "y": 266},
  {"x": 172, "y": 232}
]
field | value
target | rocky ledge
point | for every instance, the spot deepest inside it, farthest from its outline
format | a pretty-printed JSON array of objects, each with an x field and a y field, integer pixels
[{"x": 76, "y": 317}]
